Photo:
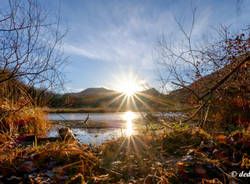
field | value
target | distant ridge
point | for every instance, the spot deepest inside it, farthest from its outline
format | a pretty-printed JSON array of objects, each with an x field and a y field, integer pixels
[
  {"x": 151, "y": 91},
  {"x": 108, "y": 99},
  {"x": 100, "y": 90}
]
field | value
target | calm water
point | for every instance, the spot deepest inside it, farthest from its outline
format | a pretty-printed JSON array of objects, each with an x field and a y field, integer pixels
[
  {"x": 117, "y": 116},
  {"x": 97, "y": 136},
  {"x": 93, "y": 136}
]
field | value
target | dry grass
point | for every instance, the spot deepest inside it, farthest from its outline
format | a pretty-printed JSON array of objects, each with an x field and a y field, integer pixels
[
  {"x": 61, "y": 158},
  {"x": 22, "y": 118},
  {"x": 184, "y": 138},
  {"x": 138, "y": 159}
]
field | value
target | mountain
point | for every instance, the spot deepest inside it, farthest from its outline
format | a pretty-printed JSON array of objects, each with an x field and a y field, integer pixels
[
  {"x": 151, "y": 91},
  {"x": 104, "y": 91},
  {"x": 95, "y": 91},
  {"x": 109, "y": 100}
]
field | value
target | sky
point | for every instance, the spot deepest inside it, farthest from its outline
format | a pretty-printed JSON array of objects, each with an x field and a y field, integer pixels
[{"x": 108, "y": 40}]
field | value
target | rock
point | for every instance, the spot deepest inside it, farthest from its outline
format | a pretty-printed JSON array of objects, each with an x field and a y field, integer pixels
[{"x": 66, "y": 134}]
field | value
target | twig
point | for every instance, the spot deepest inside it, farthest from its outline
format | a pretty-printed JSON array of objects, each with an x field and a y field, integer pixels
[{"x": 205, "y": 118}]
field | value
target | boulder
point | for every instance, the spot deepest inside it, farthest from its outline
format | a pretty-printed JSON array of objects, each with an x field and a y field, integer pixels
[{"x": 66, "y": 134}]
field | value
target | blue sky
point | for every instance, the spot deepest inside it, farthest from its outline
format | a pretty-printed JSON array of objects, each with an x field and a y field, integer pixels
[{"x": 109, "y": 38}]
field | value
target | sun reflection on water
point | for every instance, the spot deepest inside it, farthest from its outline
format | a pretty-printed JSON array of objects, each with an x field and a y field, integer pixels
[{"x": 129, "y": 116}]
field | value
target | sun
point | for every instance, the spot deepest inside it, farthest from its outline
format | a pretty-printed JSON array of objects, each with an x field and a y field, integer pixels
[
  {"x": 128, "y": 84},
  {"x": 129, "y": 88}
]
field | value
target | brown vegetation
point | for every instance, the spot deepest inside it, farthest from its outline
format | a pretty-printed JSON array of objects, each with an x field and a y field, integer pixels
[
  {"x": 22, "y": 118},
  {"x": 183, "y": 155}
]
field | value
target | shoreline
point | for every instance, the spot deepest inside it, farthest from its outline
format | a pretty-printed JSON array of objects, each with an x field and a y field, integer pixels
[{"x": 100, "y": 110}]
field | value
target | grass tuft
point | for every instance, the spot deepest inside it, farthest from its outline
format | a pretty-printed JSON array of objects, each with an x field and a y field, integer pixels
[{"x": 20, "y": 118}]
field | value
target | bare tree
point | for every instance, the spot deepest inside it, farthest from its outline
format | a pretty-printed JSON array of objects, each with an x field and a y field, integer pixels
[
  {"x": 188, "y": 63},
  {"x": 30, "y": 41}
]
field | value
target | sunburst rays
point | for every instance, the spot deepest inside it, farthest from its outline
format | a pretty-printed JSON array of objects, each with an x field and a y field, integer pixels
[{"x": 139, "y": 101}]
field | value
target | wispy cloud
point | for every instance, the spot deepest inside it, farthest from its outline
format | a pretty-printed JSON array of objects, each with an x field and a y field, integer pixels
[
  {"x": 79, "y": 51},
  {"x": 131, "y": 41},
  {"x": 124, "y": 34}
]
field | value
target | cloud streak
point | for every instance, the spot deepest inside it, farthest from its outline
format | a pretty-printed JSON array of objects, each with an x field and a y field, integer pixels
[
  {"x": 129, "y": 36},
  {"x": 129, "y": 42}
]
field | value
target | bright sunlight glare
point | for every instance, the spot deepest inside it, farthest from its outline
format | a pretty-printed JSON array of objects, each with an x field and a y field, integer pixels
[
  {"x": 128, "y": 84},
  {"x": 129, "y": 116},
  {"x": 129, "y": 87},
  {"x": 129, "y": 128}
]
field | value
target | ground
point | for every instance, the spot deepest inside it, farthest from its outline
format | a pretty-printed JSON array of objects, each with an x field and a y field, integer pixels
[{"x": 183, "y": 155}]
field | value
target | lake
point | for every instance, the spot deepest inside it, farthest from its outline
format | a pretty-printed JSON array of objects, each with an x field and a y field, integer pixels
[
  {"x": 116, "y": 116},
  {"x": 98, "y": 136}
]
